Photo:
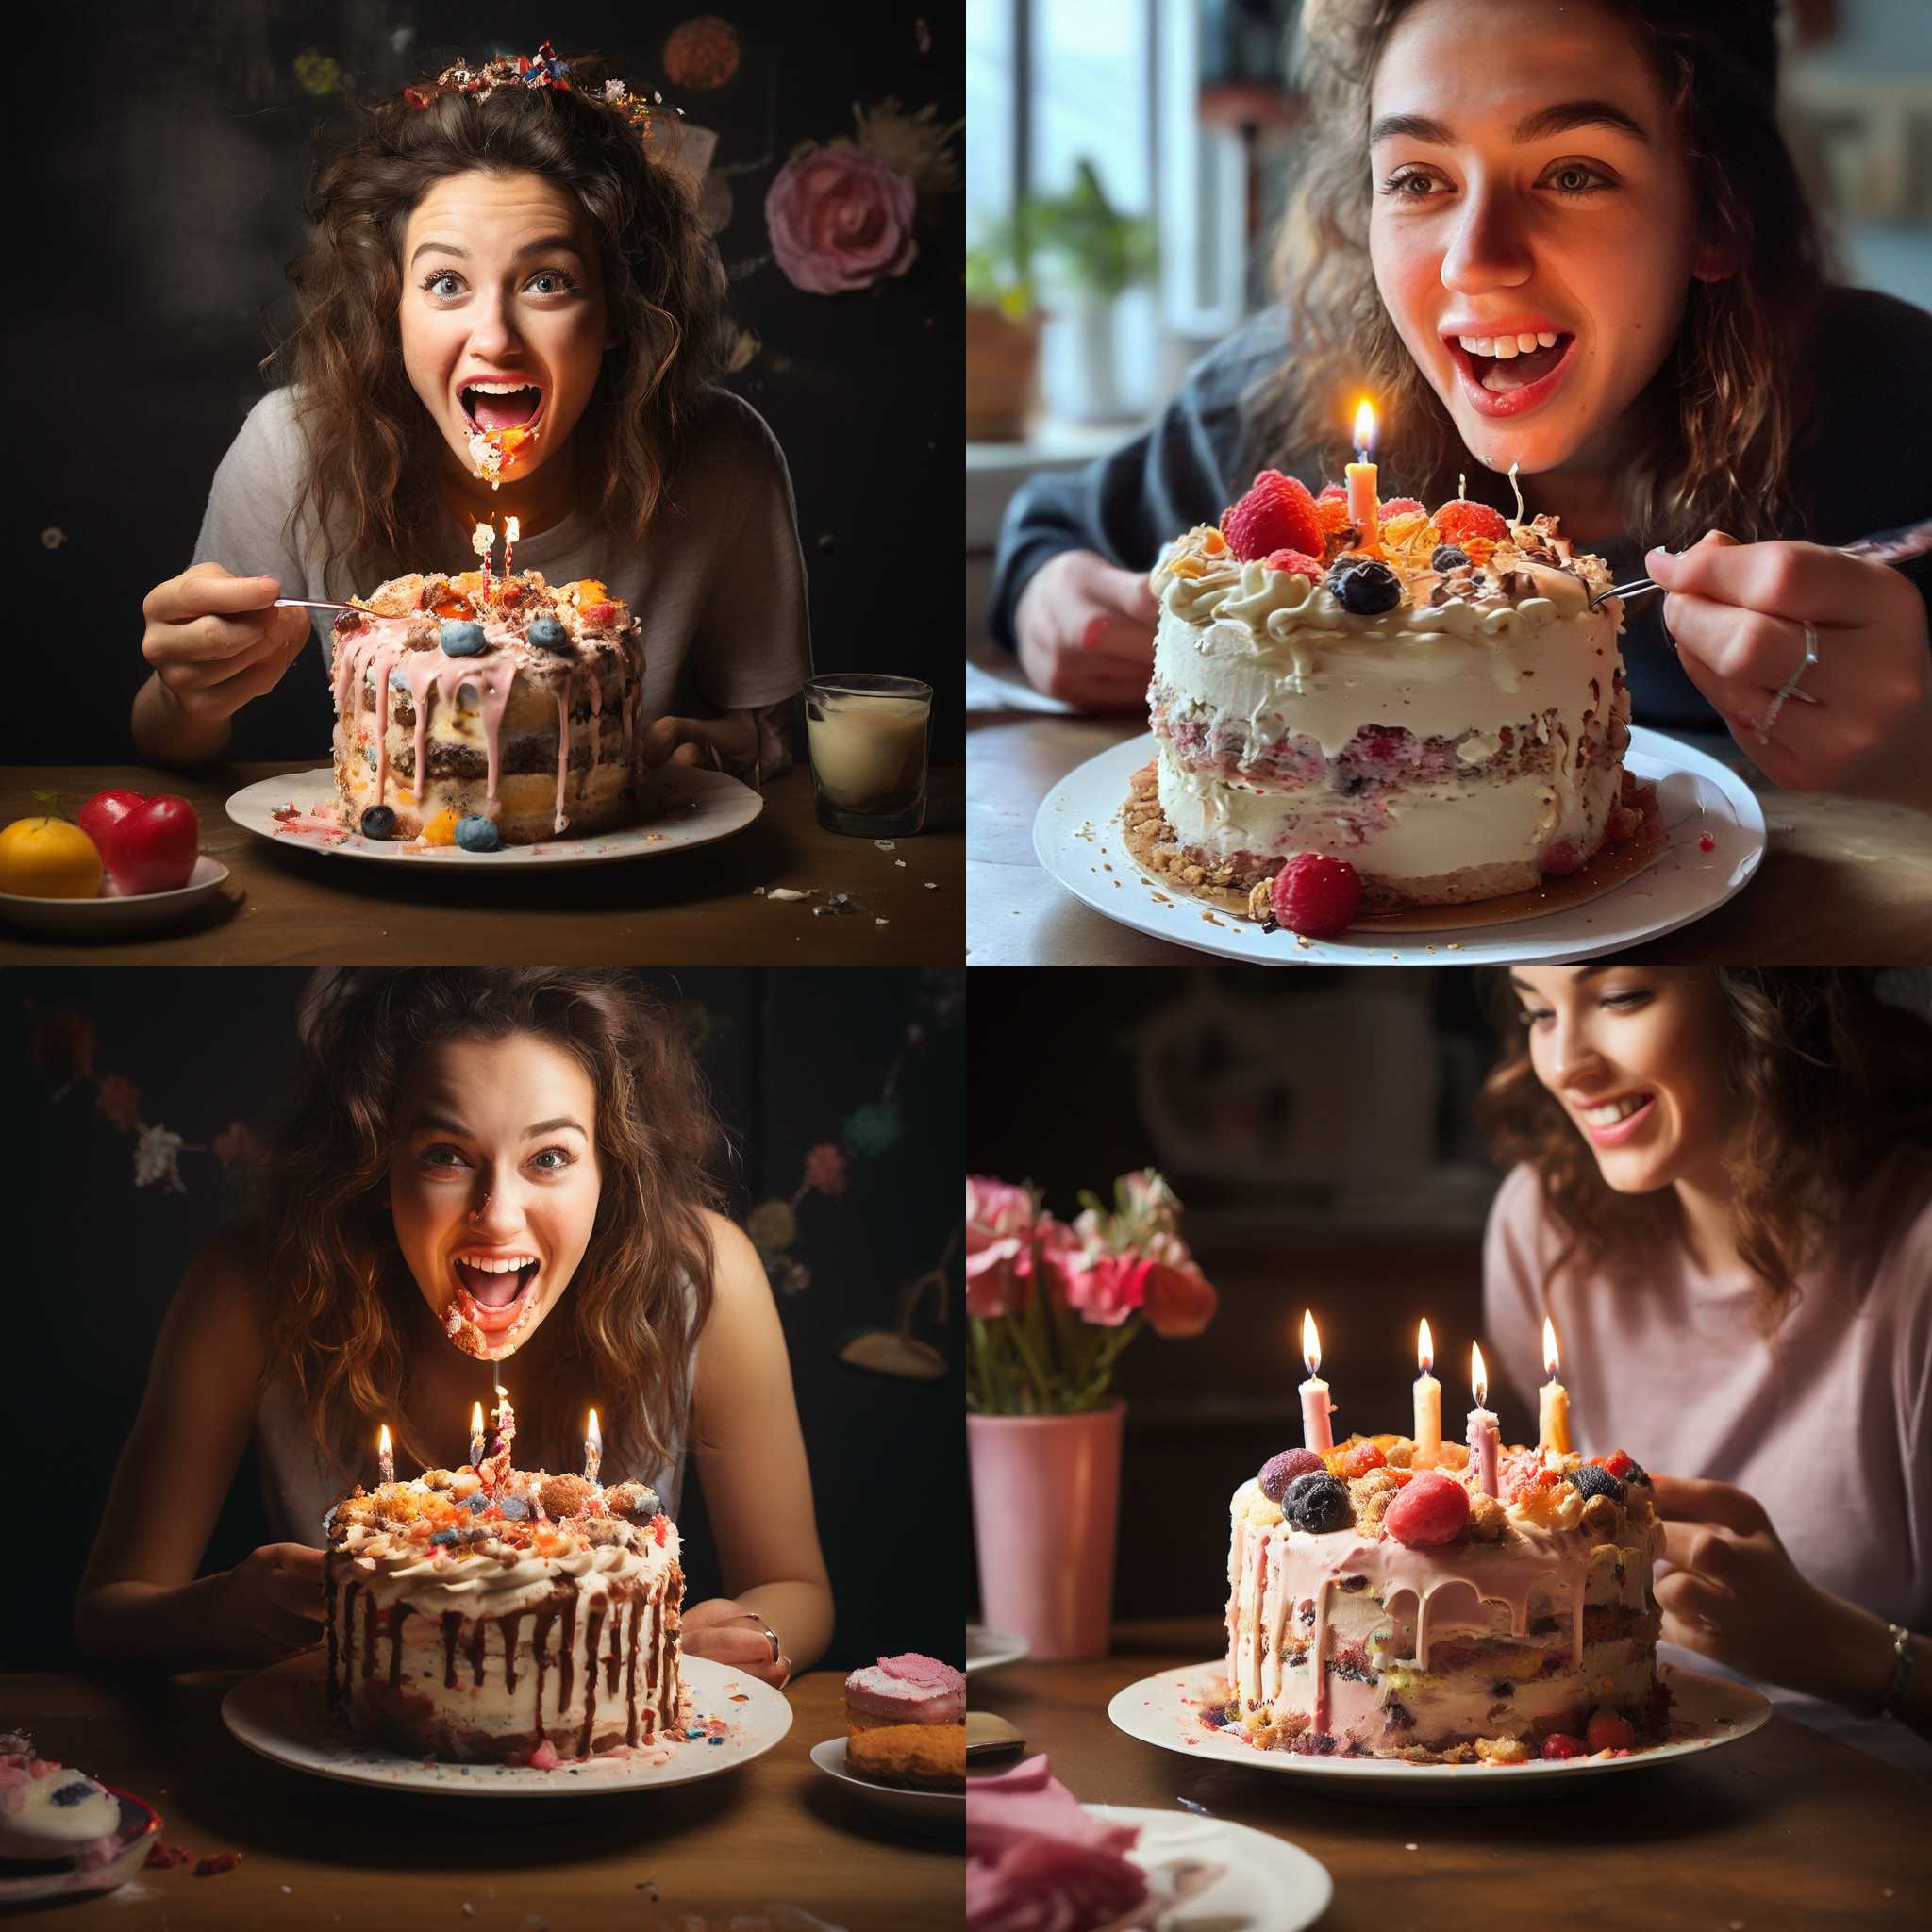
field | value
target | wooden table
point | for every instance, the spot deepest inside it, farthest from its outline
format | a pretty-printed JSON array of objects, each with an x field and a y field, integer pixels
[
  {"x": 1785, "y": 1829},
  {"x": 287, "y": 905},
  {"x": 1843, "y": 880},
  {"x": 776, "y": 1832}
]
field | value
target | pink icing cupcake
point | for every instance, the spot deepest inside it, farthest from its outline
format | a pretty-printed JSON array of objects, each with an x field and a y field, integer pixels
[{"x": 909, "y": 1689}]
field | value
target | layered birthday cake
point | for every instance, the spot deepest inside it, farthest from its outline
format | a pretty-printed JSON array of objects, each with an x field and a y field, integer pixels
[
  {"x": 497, "y": 1614},
  {"x": 1426, "y": 699},
  {"x": 1378, "y": 1607},
  {"x": 481, "y": 710}
]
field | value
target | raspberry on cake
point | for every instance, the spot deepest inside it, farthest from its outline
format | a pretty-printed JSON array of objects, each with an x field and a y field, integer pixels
[
  {"x": 905, "y": 1721},
  {"x": 477, "y": 714},
  {"x": 467, "y": 1618},
  {"x": 1389, "y": 1610},
  {"x": 1441, "y": 709}
]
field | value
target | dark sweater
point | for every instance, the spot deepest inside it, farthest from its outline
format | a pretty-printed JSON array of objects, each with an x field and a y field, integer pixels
[{"x": 1860, "y": 468}]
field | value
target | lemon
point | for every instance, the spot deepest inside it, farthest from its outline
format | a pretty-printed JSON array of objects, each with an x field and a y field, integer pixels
[{"x": 48, "y": 858}]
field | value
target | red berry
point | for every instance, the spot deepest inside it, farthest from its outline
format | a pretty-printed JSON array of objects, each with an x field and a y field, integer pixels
[
  {"x": 1432, "y": 1510},
  {"x": 1316, "y": 896},
  {"x": 1620, "y": 1465},
  {"x": 1706, "y": 842},
  {"x": 1460, "y": 518},
  {"x": 1298, "y": 560},
  {"x": 1607, "y": 1731},
  {"x": 1276, "y": 515},
  {"x": 1399, "y": 506},
  {"x": 1332, "y": 493},
  {"x": 1561, "y": 1745},
  {"x": 1361, "y": 1459}
]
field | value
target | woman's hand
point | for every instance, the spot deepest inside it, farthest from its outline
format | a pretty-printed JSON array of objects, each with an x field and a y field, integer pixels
[
  {"x": 1086, "y": 632},
  {"x": 712, "y": 743},
  {"x": 729, "y": 1633},
  {"x": 1739, "y": 612},
  {"x": 216, "y": 640},
  {"x": 270, "y": 1604},
  {"x": 1735, "y": 1597}
]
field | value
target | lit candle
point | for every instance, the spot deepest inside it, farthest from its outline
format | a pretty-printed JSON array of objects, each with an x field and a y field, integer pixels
[
  {"x": 1483, "y": 1435},
  {"x": 386, "y": 1456},
  {"x": 483, "y": 540},
  {"x": 499, "y": 1463},
  {"x": 1316, "y": 1407},
  {"x": 1428, "y": 1395},
  {"x": 1361, "y": 476},
  {"x": 476, "y": 1435},
  {"x": 1553, "y": 1419},
  {"x": 594, "y": 1449},
  {"x": 511, "y": 531}
]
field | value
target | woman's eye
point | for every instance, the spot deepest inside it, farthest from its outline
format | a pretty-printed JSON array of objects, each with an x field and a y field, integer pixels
[
  {"x": 554, "y": 1161},
  {"x": 1577, "y": 177},
  {"x": 442, "y": 1154},
  {"x": 565, "y": 281},
  {"x": 1530, "y": 1015},
  {"x": 1402, "y": 186},
  {"x": 1625, "y": 1002}
]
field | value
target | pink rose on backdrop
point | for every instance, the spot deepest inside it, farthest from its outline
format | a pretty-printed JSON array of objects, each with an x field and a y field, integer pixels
[
  {"x": 841, "y": 219},
  {"x": 1178, "y": 1301},
  {"x": 999, "y": 1219}
]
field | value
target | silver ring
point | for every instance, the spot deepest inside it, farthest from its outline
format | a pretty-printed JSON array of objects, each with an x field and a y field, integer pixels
[
  {"x": 771, "y": 1638},
  {"x": 1789, "y": 688}
]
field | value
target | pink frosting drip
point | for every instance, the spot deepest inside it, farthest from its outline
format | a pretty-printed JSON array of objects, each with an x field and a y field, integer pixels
[{"x": 926, "y": 1671}]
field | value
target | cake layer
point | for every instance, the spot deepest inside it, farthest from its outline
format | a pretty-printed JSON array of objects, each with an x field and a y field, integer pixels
[{"x": 1349, "y": 1640}]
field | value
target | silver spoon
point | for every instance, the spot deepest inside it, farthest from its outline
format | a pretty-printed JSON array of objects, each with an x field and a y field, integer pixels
[
  {"x": 1915, "y": 540},
  {"x": 309, "y": 604}
]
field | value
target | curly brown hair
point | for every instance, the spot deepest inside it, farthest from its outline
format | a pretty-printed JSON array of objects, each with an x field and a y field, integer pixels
[
  {"x": 1723, "y": 410},
  {"x": 373, "y": 454},
  {"x": 339, "y": 1288},
  {"x": 1834, "y": 1078}
]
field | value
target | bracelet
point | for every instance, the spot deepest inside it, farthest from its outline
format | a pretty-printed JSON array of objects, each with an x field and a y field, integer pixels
[{"x": 1902, "y": 1671}]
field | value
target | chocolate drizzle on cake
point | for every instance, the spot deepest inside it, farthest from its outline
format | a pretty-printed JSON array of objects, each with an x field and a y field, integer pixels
[
  {"x": 591, "y": 1626},
  {"x": 452, "y": 1629}
]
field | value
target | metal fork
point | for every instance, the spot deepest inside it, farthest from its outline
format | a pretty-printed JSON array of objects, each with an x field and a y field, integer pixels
[{"x": 1892, "y": 546}]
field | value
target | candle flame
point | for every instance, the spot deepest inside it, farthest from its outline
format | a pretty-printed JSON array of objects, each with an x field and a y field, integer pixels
[
  {"x": 1312, "y": 1341},
  {"x": 483, "y": 540},
  {"x": 1365, "y": 427},
  {"x": 1425, "y": 1347},
  {"x": 1479, "y": 1377},
  {"x": 476, "y": 1420},
  {"x": 384, "y": 1444},
  {"x": 594, "y": 1435},
  {"x": 512, "y": 530},
  {"x": 1549, "y": 1348}
]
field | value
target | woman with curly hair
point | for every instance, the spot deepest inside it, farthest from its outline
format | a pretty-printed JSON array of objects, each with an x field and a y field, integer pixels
[
  {"x": 447, "y": 1119},
  {"x": 1598, "y": 193},
  {"x": 513, "y": 235},
  {"x": 1722, "y": 1194}
]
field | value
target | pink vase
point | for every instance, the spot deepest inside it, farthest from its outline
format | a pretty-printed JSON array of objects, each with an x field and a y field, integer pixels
[{"x": 1046, "y": 1494}]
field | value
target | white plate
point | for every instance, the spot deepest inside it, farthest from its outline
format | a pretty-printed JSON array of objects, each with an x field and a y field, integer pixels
[
  {"x": 115, "y": 916},
  {"x": 136, "y": 1835},
  {"x": 692, "y": 808},
  {"x": 987, "y": 1650},
  {"x": 1210, "y": 1872},
  {"x": 929, "y": 1810},
  {"x": 1077, "y": 835},
  {"x": 1165, "y": 1711},
  {"x": 282, "y": 1713}
]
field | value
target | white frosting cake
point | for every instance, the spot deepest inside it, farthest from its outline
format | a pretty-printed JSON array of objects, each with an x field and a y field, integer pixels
[
  {"x": 518, "y": 705},
  {"x": 1460, "y": 742},
  {"x": 1531, "y": 1619},
  {"x": 503, "y": 1614}
]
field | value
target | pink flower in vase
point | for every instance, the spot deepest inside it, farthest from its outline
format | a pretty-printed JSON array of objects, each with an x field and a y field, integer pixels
[
  {"x": 999, "y": 1222},
  {"x": 1106, "y": 1288},
  {"x": 1179, "y": 1302}
]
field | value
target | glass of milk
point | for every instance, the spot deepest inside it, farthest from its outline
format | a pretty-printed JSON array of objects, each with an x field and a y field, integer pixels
[{"x": 867, "y": 735}]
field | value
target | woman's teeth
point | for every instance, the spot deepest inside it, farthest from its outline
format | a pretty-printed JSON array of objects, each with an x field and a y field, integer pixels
[
  {"x": 1505, "y": 345},
  {"x": 492, "y": 1283},
  {"x": 501, "y": 404},
  {"x": 1612, "y": 1111}
]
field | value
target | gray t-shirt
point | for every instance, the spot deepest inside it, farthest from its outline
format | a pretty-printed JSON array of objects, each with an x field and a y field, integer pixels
[{"x": 718, "y": 582}]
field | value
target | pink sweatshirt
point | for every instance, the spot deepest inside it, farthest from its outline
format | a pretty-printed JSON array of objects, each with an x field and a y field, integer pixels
[{"x": 1833, "y": 1434}]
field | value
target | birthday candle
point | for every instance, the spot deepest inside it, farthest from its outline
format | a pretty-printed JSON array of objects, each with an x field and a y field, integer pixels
[
  {"x": 1428, "y": 1395},
  {"x": 512, "y": 529},
  {"x": 386, "y": 1456},
  {"x": 594, "y": 1449},
  {"x": 475, "y": 1435},
  {"x": 1361, "y": 476},
  {"x": 1484, "y": 1437},
  {"x": 483, "y": 540},
  {"x": 1316, "y": 1407},
  {"x": 1553, "y": 1413}
]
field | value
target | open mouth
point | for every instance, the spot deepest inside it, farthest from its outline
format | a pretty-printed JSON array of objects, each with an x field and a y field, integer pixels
[
  {"x": 1506, "y": 384},
  {"x": 1612, "y": 1121},
  {"x": 493, "y": 1298},
  {"x": 498, "y": 406}
]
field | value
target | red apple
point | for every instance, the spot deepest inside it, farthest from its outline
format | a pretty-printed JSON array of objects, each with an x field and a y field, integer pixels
[{"x": 147, "y": 844}]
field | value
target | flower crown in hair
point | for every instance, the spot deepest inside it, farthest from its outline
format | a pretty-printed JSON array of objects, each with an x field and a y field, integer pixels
[{"x": 542, "y": 69}]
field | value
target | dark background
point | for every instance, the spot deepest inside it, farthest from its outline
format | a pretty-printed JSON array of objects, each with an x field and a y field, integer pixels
[
  {"x": 164, "y": 200},
  {"x": 789, "y": 1056},
  {"x": 1289, "y": 1072}
]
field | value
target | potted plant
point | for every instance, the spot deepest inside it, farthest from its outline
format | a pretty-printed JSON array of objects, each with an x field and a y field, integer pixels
[
  {"x": 1003, "y": 324},
  {"x": 1101, "y": 254},
  {"x": 1051, "y": 1306}
]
